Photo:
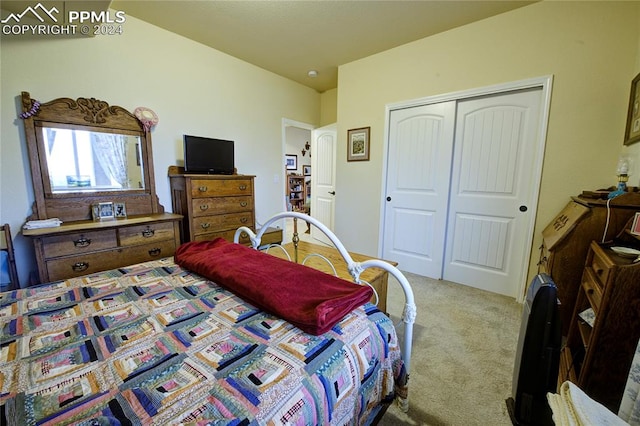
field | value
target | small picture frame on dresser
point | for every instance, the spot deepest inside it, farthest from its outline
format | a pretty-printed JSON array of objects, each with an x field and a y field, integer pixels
[
  {"x": 119, "y": 210},
  {"x": 102, "y": 211}
]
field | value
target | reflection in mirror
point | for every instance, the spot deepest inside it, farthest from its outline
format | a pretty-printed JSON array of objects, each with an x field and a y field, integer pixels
[{"x": 81, "y": 160}]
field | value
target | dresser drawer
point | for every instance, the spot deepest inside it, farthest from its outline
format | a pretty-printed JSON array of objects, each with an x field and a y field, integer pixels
[
  {"x": 143, "y": 234},
  {"x": 83, "y": 264},
  {"x": 592, "y": 288},
  {"x": 220, "y": 187},
  {"x": 601, "y": 266},
  {"x": 151, "y": 251},
  {"x": 221, "y": 222},
  {"x": 81, "y": 242},
  {"x": 217, "y": 205},
  {"x": 227, "y": 235}
]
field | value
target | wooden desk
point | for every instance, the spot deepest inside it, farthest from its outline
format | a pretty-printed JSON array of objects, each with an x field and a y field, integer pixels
[{"x": 378, "y": 278}]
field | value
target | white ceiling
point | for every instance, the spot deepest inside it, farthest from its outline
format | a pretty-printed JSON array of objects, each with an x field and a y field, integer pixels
[{"x": 290, "y": 38}]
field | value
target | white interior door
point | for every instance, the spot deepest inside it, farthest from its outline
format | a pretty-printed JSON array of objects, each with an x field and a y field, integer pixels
[
  {"x": 323, "y": 178},
  {"x": 493, "y": 190},
  {"x": 417, "y": 191}
]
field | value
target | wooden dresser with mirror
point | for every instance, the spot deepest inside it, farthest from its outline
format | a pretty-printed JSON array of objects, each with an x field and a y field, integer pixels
[{"x": 92, "y": 168}]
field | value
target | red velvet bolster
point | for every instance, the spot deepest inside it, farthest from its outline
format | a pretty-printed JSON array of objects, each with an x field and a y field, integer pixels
[{"x": 312, "y": 300}]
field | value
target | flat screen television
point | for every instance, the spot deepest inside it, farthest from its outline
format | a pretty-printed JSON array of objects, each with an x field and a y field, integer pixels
[{"x": 208, "y": 155}]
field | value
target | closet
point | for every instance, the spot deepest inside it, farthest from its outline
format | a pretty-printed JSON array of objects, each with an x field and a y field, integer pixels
[{"x": 462, "y": 186}]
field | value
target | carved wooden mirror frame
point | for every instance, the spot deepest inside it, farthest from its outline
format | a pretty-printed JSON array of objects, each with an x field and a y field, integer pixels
[{"x": 92, "y": 115}]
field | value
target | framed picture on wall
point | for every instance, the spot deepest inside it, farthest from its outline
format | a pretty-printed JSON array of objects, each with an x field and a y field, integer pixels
[
  {"x": 291, "y": 161},
  {"x": 635, "y": 226},
  {"x": 632, "y": 130},
  {"x": 306, "y": 170},
  {"x": 358, "y": 144}
]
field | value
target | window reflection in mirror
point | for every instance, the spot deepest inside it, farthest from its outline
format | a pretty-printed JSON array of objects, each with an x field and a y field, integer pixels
[{"x": 81, "y": 160}]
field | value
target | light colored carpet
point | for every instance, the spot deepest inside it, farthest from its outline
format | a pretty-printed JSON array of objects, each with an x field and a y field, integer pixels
[{"x": 463, "y": 354}]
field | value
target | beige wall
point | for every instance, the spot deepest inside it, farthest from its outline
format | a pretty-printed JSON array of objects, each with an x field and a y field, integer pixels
[
  {"x": 634, "y": 150},
  {"x": 328, "y": 107},
  {"x": 590, "y": 48},
  {"x": 193, "y": 89}
]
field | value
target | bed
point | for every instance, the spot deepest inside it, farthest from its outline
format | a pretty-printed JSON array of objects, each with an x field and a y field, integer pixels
[{"x": 168, "y": 342}]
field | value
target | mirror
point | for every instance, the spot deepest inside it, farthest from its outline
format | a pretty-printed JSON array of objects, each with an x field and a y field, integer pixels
[
  {"x": 85, "y": 161},
  {"x": 83, "y": 152}
]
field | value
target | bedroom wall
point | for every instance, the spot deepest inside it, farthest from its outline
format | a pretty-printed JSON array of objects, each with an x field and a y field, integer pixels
[
  {"x": 590, "y": 48},
  {"x": 193, "y": 89},
  {"x": 328, "y": 107},
  {"x": 634, "y": 150}
]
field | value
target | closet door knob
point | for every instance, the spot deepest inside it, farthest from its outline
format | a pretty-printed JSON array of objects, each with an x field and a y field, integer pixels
[{"x": 523, "y": 209}]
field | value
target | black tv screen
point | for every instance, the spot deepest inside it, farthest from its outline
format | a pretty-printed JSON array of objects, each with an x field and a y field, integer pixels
[{"x": 208, "y": 155}]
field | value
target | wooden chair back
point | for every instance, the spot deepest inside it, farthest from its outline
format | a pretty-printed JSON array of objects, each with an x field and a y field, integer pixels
[{"x": 5, "y": 231}]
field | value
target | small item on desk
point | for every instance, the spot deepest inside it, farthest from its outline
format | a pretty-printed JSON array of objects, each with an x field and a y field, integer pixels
[
  {"x": 44, "y": 223},
  {"x": 625, "y": 251}
]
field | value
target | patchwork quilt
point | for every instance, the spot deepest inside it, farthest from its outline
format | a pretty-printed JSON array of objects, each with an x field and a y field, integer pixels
[{"x": 156, "y": 344}]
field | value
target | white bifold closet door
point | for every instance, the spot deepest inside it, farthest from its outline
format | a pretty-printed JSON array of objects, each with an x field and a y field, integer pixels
[{"x": 460, "y": 189}]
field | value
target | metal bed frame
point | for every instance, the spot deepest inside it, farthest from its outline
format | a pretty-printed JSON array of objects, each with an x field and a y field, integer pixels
[{"x": 355, "y": 269}]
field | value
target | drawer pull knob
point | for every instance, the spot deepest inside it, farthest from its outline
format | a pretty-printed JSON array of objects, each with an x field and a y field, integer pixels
[
  {"x": 243, "y": 204},
  {"x": 148, "y": 233},
  {"x": 204, "y": 207},
  {"x": 155, "y": 252},
  {"x": 80, "y": 266},
  {"x": 243, "y": 220},
  {"x": 244, "y": 235},
  {"x": 82, "y": 242},
  {"x": 202, "y": 189},
  {"x": 242, "y": 187},
  {"x": 205, "y": 225}
]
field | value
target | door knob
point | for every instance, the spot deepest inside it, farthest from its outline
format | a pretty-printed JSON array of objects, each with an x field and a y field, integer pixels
[
  {"x": 332, "y": 192},
  {"x": 388, "y": 198},
  {"x": 523, "y": 208}
]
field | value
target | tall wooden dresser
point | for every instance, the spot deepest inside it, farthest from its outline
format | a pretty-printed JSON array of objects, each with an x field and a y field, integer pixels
[
  {"x": 567, "y": 238},
  {"x": 212, "y": 205}
]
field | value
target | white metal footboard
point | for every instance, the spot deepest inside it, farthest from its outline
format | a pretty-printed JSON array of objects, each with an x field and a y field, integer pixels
[{"x": 355, "y": 269}]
